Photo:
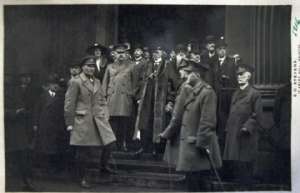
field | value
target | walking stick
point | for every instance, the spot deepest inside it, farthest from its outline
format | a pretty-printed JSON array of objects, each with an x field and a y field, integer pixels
[{"x": 213, "y": 168}]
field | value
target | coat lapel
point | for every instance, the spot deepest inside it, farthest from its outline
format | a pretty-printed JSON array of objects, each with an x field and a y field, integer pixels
[
  {"x": 87, "y": 83},
  {"x": 192, "y": 95},
  {"x": 241, "y": 94},
  {"x": 96, "y": 85}
]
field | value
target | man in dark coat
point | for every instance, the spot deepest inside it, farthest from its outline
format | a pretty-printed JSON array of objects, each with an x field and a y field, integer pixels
[
  {"x": 156, "y": 99},
  {"x": 100, "y": 52},
  {"x": 210, "y": 56},
  {"x": 119, "y": 89},
  {"x": 87, "y": 119},
  {"x": 281, "y": 134},
  {"x": 18, "y": 128},
  {"x": 51, "y": 135},
  {"x": 224, "y": 84},
  {"x": 197, "y": 132},
  {"x": 242, "y": 127}
]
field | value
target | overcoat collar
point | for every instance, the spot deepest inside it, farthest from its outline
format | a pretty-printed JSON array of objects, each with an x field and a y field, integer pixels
[
  {"x": 87, "y": 83},
  {"x": 195, "y": 91},
  {"x": 241, "y": 94}
]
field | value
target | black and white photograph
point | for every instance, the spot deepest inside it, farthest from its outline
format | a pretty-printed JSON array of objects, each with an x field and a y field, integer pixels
[{"x": 147, "y": 97}]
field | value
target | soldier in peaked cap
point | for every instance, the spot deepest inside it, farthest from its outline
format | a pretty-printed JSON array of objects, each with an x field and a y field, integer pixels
[
  {"x": 119, "y": 87},
  {"x": 100, "y": 52},
  {"x": 87, "y": 117},
  {"x": 242, "y": 128},
  {"x": 195, "y": 114}
]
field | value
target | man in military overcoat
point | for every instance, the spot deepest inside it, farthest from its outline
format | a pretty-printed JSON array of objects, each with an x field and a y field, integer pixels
[
  {"x": 87, "y": 118},
  {"x": 197, "y": 132},
  {"x": 119, "y": 89}
]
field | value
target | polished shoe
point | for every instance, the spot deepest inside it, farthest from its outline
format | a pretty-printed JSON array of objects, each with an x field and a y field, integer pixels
[
  {"x": 107, "y": 170},
  {"x": 138, "y": 154},
  {"x": 85, "y": 184}
]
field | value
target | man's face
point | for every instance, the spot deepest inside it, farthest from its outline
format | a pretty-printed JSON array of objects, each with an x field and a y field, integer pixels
[
  {"x": 196, "y": 57},
  {"x": 147, "y": 55},
  {"x": 53, "y": 87},
  {"x": 157, "y": 56},
  {"x": 221, "y": 52},
  {"x": 243, "y": 77},
  {"x": 211, "y": 47},
  {"x": 114, "y": 55},
  {"x": 138, "y": 53},
  {"x": 97, "y": 52},
  {"x": 89, "y": 69},
  {"x": 121, "y": 56},
  {"x": 184, "y": 74},
  {"x": 179, "y": 56},
  {"x": 75, "y": 71}
]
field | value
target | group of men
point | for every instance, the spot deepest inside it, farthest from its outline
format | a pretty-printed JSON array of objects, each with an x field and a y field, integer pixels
[
  {"x": 197, "y": 106},
  {"x": 189, "y": 93}
]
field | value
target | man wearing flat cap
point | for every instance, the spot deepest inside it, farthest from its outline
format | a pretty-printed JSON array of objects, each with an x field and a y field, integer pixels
[
  {"x": 225, "y": 83},
  {"x": 197, "y": 120},
  {"x": 242, "y": 128},
  {"x": 100, "y": 52},
  {"x": 119, "y": 89},
  {"x": 87, "y": 119}
]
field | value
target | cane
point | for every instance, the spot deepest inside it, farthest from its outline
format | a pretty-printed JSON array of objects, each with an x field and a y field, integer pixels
[{"x": 213, "y": 168}]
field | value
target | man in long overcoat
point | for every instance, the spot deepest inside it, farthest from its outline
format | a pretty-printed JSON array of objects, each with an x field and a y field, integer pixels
[
  {"x": 197, "y": 132},
  {"x": 172, "y": 146},
  {"x": 119, "y": 89},
  {"x": 224, "y": 84},
  {"x": 19, "y": 102},
  {"x": 242, "y": 127},
  {"x": 87, "y": 118},
  {"x": 155, "y": 98},
  {"x": 51, "y": 136}
]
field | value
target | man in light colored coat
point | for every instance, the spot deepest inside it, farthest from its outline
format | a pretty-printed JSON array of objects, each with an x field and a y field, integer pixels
[{"x": 86, "y": 117}]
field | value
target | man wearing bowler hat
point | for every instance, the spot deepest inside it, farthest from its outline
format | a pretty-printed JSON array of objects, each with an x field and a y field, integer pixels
[
  {"x": 100, "y": 52},
  {"x": 197, "y": 118},
  {"x": 87, "y": 119},
  {"x": 242, "y": 128},
  {"x": 119, "y": 89}
]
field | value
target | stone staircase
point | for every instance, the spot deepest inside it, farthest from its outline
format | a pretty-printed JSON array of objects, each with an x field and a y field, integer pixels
[{"x": 153, "y": 174}]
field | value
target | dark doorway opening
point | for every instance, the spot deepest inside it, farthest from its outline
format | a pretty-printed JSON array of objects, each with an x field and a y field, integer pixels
[{"x": 168, "y": 25}]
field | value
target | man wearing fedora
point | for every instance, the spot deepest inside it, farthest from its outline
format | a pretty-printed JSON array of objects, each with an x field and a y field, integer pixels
[
  {"x": 196, "y": 115},
  {"x": 119, "y": 89},
  {"x": 101, "y": 53},
  {"x": 87, "y": 119},
  {"x": 242, "y": 128},
  {"x": 225, "y": 83}
]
